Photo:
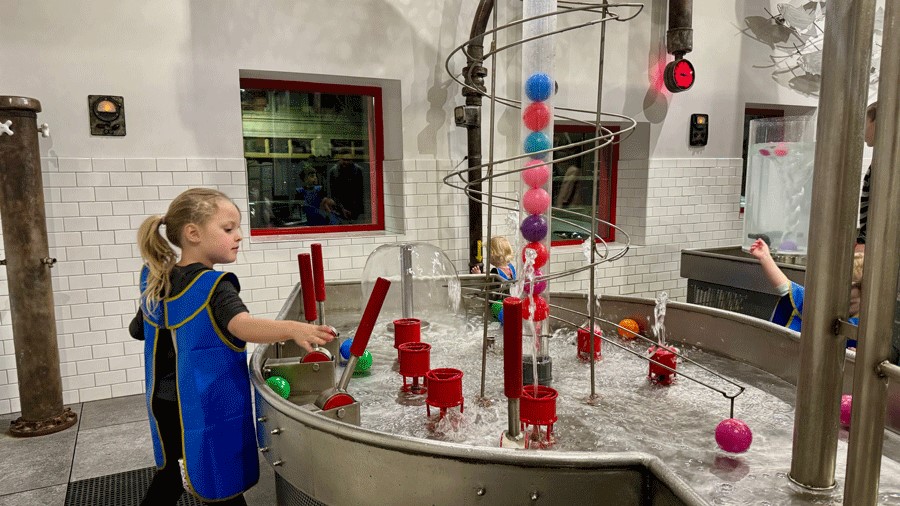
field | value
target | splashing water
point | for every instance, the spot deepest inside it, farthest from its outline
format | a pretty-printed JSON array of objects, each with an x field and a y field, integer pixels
[
  {"x": 530, "y": 327},
  {"x": 659, "y": 318},
  {"x": 586, "y": 250},
  {"x": 454, "y": 291}
]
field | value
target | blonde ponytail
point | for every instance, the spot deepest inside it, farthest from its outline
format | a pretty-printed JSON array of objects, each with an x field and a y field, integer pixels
[{"x": 160, "y": 258}]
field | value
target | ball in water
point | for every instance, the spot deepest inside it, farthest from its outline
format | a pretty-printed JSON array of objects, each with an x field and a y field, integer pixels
[
  {"x": 538, "y": 86},
  {"x": 500, "y": 317},
  {"x": 536, "y": 116},
  {"x": 364, "y": 362},
  {"x": 630, "y": 330},
  {"x": 279, "y": 385},
  {"x": 345, "y": 349},
  {"x": 537, "y": 141},
  {"x": 536, "y": 173},
  {"x": 733, "y": 435},
  {"x": 536, "y": 201},
  {"x": 846, "y": 406}
]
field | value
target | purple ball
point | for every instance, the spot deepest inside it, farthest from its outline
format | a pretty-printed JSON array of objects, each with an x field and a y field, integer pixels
[
  {"x": 733, "y": 435},
  {"x": 534, "y": 228},
  {"x": 846, "y": 405},
  {"x": 787, "y": 246}
]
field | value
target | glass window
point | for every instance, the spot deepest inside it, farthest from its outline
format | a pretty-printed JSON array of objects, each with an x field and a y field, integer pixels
[
  {"x": 572, "y": 188},
  {"x": 314, "y": 156}
]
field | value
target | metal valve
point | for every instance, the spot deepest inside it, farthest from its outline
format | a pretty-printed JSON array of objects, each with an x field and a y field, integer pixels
[{"x": 45, "y": 130}]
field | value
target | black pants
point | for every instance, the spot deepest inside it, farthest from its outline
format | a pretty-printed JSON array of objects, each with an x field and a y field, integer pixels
[{"x": 166, "y": 487}]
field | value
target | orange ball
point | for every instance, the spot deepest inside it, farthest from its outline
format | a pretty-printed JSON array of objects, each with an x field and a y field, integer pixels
[{"x": 630, "y": 328}]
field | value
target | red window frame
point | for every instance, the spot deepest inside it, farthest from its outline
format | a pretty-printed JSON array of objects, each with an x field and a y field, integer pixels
[
  {"x": 613, "y": 178},
  {"x": 376, "y": 155}
]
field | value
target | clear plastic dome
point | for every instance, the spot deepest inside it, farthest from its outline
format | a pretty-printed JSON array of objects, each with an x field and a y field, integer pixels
[{"x": 424, "y": 282}]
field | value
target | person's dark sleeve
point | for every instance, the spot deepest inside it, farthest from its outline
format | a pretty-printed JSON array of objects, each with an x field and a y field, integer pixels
[
  {"x": 226, "y": 304},
  {"x": 864, "y": 209},
  {"x": 136, "y": 327}
]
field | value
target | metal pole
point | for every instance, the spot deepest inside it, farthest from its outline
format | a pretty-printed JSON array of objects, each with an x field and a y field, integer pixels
[
  {"x": 28, "y": 266},
  {"x": 879, "y": 281},
  {"x": 406, "y": 281},
  {"x": 846, "y": 57}
]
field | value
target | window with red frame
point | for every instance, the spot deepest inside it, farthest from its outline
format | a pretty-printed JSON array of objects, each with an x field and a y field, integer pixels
[
  {"x": 314, "y": 156},
  {"x": 572, "y": 186}
]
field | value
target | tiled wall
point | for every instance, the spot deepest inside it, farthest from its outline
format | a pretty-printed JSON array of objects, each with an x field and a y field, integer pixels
[{"x": 94, "y": 207}]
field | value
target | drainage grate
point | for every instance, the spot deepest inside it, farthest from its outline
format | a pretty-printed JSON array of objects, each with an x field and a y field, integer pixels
[
  {"x": 120, "y": 489},
  {"x": 289, "y": 495}
]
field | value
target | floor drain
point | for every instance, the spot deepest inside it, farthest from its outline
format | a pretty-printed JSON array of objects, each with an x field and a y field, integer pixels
[{"x": 120, "y": 489}]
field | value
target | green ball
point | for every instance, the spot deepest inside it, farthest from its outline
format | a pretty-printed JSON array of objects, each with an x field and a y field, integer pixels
[
  {"x": 364, "y": 362},
  {"x": 496, "y": 307},
  {"x": 280, "y": 386}
]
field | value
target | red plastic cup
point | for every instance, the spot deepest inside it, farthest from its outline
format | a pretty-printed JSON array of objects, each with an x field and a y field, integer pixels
[
  {"x": 584, "y": 344},
  {"x": 444, "y": 390},
  {"x": 538, "y": 405},
  {"x": 660, "y": 357},
  {"x": 415, "y": 362},
  {"x": 407, "y": 330}
]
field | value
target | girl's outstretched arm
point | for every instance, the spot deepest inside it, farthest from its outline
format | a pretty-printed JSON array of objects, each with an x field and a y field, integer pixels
[
  {"x": 760, "y": 250},
  {"x": 262, "y": 330}
]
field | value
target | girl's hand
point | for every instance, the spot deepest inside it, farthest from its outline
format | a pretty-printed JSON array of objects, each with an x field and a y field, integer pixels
[
  {"x": 759, "y": 249},
  {"x": 305, "y": 334}
]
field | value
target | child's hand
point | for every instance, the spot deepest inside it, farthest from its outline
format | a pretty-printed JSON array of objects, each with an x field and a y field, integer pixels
[
  {"x": 476, "y": 269},
  {"x": 305, "y": 334},
  {"x": 759, "y": 249}
]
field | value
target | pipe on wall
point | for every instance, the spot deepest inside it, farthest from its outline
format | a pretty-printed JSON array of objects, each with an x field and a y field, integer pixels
[{"x": 680, "y": 35}]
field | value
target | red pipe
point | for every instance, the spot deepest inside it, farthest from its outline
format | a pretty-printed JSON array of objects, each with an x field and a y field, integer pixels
[
  {"x": 306, "y": 284},
  {"x": 512, "y": 347},
  {"x": 373, "y": 308},
  {"x": 318, "y": 271}
]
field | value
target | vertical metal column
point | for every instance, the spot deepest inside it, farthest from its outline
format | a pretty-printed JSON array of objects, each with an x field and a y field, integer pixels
[
  {"x": 406, "y": 280},
  {"x": 28, "y": 266},
  {"x": 839, "y": 144},
  {"x": 879, "y": 280}
]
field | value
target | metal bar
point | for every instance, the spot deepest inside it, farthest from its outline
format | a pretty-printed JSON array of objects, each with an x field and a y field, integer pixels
[
  {"x": 880, "y": 275},
  {"x": 889, "y": 370},
  {"x": 513, "y": 424},
  {"x": 847, "y": 52},
  {"x": 406, "y": 281}
]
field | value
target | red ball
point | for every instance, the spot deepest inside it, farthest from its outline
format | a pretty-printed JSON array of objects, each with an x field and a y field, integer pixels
[
  {"x": 541, "y": 312},
  {"x": 536, "y": 116},
  {"x": 846, "y": 405},
  {"x": 733, "y": 435},
  {"x": 542, "y": 254}
]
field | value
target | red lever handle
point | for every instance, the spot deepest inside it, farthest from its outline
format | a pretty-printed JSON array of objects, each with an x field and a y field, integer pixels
[
  {"x": 512, "y": 347},
  {"x": 318, "y": 271},
  {"x": 306, "y": 284},
  {"x": 373, "y": 308}
]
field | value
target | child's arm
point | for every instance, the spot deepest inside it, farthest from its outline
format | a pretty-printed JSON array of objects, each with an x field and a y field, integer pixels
[
  {"x": 262, "y": 330},
  {"x": 760, "y": 250}
]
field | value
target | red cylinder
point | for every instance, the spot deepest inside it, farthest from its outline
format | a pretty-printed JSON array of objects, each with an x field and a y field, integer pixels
[
  {"x": 444, "y": 388},
  {"x": 370, "y": 315},
  {"x": 306, "y": 285},
  {"x": 407, "y": 330},
  {"x": 584, "y": 344},
  {"x": 318, "y": 271},
  {"x": 538, "y": 405},
  {"x": 415, "y": 359},
  {"x": 512, "y": 347}
]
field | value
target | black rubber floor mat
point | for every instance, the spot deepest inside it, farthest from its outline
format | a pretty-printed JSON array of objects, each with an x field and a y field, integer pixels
[{"x": 120, "y": 489}]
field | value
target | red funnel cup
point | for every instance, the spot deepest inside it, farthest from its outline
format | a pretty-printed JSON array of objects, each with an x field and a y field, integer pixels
[
  {"x": 444, "y": 390},
  {"x": 584, "y": 344},
  {"x": 415, "y": 362},
  {"x": 407, "y": 330}
]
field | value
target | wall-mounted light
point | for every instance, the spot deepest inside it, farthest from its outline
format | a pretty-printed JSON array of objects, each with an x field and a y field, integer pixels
[
  {"x": 679, "y": 75},
  {"x": 699, "y": 134},
  {"x": 106, "y": 115}
]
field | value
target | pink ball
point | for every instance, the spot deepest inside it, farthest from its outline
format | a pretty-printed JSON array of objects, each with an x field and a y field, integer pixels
[
  {"x": 536, "y": 173},
  {"x": 781, "y": 149},
  {"x": 539, "y": 286},
  {"x": 536, "y": 201},
  {"x": 765, "y": 152},
  {"x": 846, "y": 406},
  {"x": 536, "y": 116},
  {"x": 733, "y": 435},
  {"x": 542, "y": 254}
]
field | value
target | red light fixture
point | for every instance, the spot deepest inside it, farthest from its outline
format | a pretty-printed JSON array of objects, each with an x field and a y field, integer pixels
[{"x": 679, "y": 75}]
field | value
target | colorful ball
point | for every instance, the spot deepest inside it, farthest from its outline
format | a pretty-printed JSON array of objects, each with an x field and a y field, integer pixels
[
  {"x": 542, "y": 254},
  {"x": 364, "y": 362},
  {"x": 536, "y": 174},
  {"x": 846, "y": 407},
  {"x": 539, "y": 286},
  {"x": 630, "y": 330},
  {"x": 733, "y": 435},
  {"x": 345, "y": 349},
  {"x": 536, "y": 116},
  {"x": 534, "y": 228},
  {"x": 537, "y": 141},
  {"x": 538, "y": 86},
  {"x": 536, "y": 201},
  {"x": 787, "y": 245},
  {"x": 280, "y": 386},
  {"x": 765, "y": 152},
  {"x": 541, "y": 311},
  {"x": 781, "y": 149},
  {"x": 500, "y": 317}
]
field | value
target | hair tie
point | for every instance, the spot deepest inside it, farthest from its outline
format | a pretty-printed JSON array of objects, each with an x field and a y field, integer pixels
[{"x": 162, "y": 221}]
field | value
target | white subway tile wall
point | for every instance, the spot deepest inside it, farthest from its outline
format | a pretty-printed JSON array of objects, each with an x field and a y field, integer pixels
[{"x": 94, "y": 207}]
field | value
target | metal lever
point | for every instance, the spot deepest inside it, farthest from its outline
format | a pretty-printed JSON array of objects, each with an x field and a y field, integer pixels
[{"x": 44, "y": 129}]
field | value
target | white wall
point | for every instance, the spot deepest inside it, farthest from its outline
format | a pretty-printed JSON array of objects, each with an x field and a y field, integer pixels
[{"x": 177, "y": 64}]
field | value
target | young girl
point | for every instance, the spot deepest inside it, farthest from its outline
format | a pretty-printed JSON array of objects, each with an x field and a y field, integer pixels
[
  {"x": 501, "y": 259},
  {"x": 195, "y": 329}
]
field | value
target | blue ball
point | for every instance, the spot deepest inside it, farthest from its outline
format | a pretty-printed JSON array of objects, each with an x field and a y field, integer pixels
[
  {"x": 538, "y": 87},
  {"x": 537, "y": 141},
  {"x": 345, "y": 349},
  {"x": 500, "y": 317}
]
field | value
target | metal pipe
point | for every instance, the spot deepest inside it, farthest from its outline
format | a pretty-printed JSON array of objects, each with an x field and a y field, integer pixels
[
  {"x": 880, "y": 282},
  {"x": 889, "y": 370},
  {"x": 514, "y": 414},
  {"x": 680, "y": 35},
  {"x": 847, "y": 52},
  {"x": 406, "y": 280},
  {"x": 28, "y": 266}
]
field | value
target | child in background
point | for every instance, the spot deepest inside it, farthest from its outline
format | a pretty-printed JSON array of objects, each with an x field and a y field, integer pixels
[
  {"x": 789, "y": 310},
  {"x": 195, "y": 328},
  {"x": 318, "y": 209},
  {"x": 501, "y": 259}
]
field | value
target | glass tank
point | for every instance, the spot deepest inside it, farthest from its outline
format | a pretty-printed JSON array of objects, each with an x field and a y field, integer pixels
[
  {"x": 424, "y": 282},
  {"x": 780, "y": 154}
]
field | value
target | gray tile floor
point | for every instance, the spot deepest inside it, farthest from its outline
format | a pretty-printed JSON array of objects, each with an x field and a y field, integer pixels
[{"x": 111, "y": 436}]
